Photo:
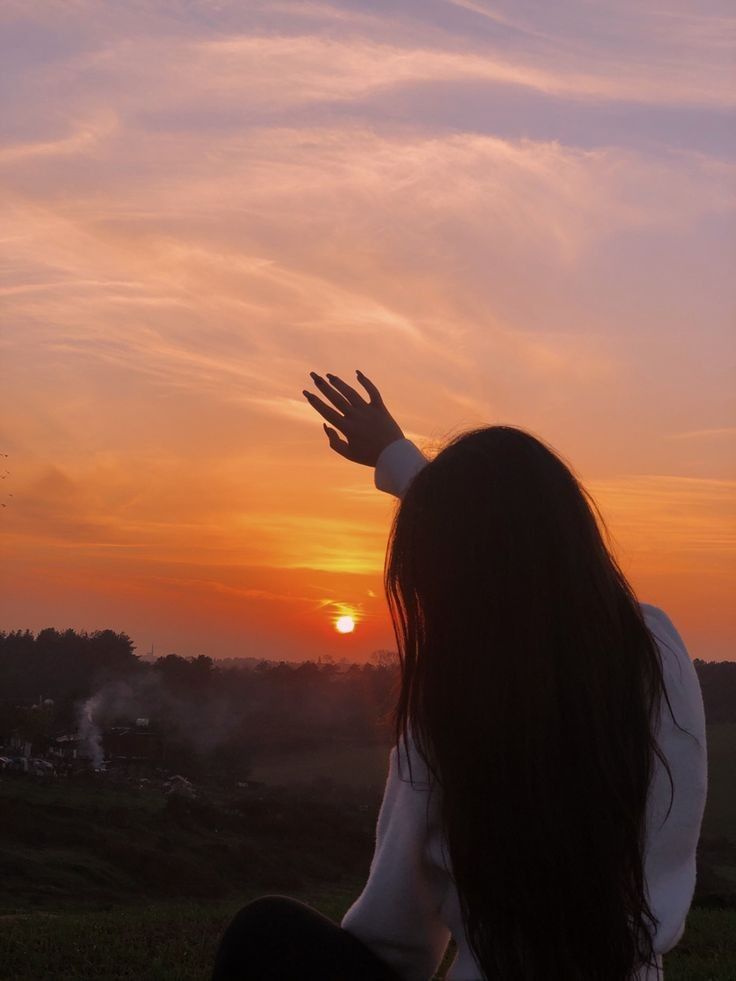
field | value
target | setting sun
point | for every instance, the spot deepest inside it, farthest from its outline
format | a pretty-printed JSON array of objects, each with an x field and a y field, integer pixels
[{"x": 345, "y": 625}]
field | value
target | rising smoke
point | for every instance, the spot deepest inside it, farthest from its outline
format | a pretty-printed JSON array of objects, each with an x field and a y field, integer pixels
[
  {"x": 89, "y": 732},
  {"x": 202, "y": 726}
]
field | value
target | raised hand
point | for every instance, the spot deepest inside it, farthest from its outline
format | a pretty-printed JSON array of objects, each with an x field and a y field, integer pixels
[{"x": 368, "y": 426}]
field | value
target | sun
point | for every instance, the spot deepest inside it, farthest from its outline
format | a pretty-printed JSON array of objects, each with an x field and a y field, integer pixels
[{"x": 345, "y": 625}]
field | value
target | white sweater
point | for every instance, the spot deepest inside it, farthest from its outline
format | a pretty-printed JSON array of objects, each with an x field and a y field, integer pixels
[{"x": 409, "y": 907}]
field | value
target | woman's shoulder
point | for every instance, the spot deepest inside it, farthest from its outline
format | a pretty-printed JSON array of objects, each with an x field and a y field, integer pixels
[
  {"x": 655, "y": 614},
  {"x": 407, "y": 764},
  {"x": 680, "y": 676},
  {"x": 665, "y": 632}
]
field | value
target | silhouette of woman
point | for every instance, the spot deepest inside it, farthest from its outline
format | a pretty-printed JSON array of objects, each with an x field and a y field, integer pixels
[{"x": 548, "y": 776}]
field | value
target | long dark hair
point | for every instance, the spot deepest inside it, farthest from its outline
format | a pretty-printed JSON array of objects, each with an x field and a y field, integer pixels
[{"x": 530, "y": 686}]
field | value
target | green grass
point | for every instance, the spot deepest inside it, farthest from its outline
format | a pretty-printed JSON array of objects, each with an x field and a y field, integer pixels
[
  {"x": 707, "y": 951},
  {"x": 160, "y": 942},
  {"x": 177, "y": 942},
  {"x": 106, "y": 883},
  {"x": 347, "y": 766},
  {"x": 62, "y": 847},
  {"x": 719, "y": 820},
  {"x": 717, "y": 847}
]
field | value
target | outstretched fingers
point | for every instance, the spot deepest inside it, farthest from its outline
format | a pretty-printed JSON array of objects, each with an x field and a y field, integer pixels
[
  {"x": 337, "y": 444},
  {"x": 353, "y": 397},
  {"x": 324, "y": 410},
  {"x": 330, "y": 392},
  {"x": 368, "y": 385}
]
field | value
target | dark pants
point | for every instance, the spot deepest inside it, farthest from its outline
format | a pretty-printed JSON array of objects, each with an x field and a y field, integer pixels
[{"x": 280, "y": 939}]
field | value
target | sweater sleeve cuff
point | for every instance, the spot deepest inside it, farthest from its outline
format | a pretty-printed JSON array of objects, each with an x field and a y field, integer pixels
[{"x": 396, "y": 465}]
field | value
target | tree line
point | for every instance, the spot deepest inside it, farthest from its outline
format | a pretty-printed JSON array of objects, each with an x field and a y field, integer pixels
[{"x": 47, "y": 679}]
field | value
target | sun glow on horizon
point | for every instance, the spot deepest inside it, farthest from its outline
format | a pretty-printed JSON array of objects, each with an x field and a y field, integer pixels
[{"x": 345, "y": 625}]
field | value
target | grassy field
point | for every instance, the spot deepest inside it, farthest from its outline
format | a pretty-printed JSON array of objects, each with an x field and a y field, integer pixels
[
  {"x": 347, "y": 766},
  {"x": 159, "y": 942},
  {"x": 81, "y": 846},
  {"x": 93, "y": 877},
  {"x": 176, "y": 942},
  {"x": 365, "y": 768}
]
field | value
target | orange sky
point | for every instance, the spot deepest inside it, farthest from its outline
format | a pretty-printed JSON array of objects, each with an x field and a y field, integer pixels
[{"x": 513, "y": 213}]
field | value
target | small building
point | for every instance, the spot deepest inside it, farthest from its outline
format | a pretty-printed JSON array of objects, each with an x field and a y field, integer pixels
[
  {"x": 67, "y": 746},
  {"x": 21, "y": 745},
  {"x": 133, "y": 746}
]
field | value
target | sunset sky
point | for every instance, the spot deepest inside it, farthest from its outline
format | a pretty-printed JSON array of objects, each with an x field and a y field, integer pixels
[{"x": 502, "y": 212}]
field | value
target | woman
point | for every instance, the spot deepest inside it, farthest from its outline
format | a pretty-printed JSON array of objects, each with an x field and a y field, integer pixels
[{"x": 548, "y": 779}]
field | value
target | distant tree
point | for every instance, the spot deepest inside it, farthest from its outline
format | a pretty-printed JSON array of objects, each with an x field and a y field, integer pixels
[
  {"x": 718, "y": 684},
  {"x": 60, "y": 664},
  {"x": 385, "y": 658},
  {"x": 36, "y": 724},
  {"x": 185, "y": 675}
]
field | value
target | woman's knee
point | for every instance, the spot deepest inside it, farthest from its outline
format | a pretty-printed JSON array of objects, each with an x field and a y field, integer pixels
[{"x": 265, "y": 912}]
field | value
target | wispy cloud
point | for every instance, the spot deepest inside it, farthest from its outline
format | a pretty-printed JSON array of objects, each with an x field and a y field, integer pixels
[
  {"x": 725, "y": 431},
  {"x": 670, "y": 521},
  {"x": 127, "y": 293},
  {"x": 274, "y": 71},
  {"x": 83, "y": 140}
]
